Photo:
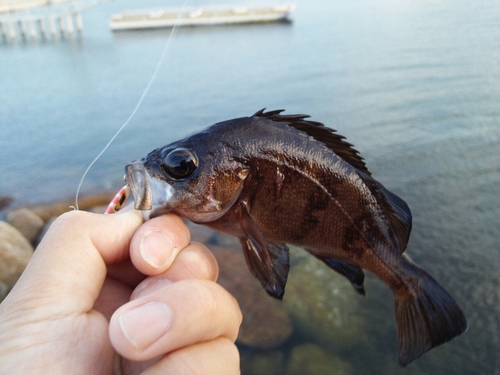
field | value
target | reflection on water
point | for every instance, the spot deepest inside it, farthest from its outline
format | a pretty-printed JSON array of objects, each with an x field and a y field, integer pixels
[{"x": 414, "y": 85}]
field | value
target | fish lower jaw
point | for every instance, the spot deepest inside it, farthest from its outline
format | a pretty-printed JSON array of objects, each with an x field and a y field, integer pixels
[
  {"x": 155, "y": 212},
  {"x": 146, "y": 214}
]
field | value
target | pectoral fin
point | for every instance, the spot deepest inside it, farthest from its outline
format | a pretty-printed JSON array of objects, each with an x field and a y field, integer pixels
[
  {"x": 354, "y": 274},
  {"x": 268, "y": 262}
]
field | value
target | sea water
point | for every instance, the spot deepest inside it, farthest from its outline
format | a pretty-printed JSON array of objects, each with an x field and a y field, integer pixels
[{"x": 414, "y": 85}]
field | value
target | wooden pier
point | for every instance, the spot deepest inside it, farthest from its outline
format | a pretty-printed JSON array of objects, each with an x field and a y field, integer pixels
[
  {"x": 25, "y": 20},
  {"x": 43, "y": 27}
]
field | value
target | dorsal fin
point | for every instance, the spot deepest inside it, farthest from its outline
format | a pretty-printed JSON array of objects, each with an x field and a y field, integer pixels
[{"x": 321, "y": 133}]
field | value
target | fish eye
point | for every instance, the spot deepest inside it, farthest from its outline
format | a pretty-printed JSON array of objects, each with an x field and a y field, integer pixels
[{"x": 180, "y": 163}]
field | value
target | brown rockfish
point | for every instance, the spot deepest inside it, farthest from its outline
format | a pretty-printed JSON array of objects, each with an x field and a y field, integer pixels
[{"x": 272, "y": 179}]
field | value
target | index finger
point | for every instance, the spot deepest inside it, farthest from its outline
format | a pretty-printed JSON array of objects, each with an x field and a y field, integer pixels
[{"x": 69, "y": 266}]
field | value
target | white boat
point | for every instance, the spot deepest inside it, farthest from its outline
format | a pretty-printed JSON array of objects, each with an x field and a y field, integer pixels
[{"x": 169, "y": 17}]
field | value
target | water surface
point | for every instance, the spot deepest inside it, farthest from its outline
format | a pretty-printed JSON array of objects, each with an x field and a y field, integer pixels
[{"x": 415, "y": 85}]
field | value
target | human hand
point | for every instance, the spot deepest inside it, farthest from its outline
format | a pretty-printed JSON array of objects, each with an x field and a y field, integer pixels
[{"x": 82, "y": 295}]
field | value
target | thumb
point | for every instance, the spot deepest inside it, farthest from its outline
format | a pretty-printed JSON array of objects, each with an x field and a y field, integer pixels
[{"x": 68, "y": 268}]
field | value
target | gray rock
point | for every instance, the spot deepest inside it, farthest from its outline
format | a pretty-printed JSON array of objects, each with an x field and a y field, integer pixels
[
  {"x": 26, "y": 222},
  {"x": 15, "y": 253},
  {"x": 265, "y": 323},
  {"x": 266, "y": 363},
  {"x": 323, "y": 305},
  {"x": 312, "y": 359}
]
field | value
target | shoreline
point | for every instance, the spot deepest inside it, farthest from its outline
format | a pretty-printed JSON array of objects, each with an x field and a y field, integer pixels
[{"x": 53, "y": 208}]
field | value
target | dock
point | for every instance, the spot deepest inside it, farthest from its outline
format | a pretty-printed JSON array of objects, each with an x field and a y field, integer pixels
[
  {"x": 25, "y": 20},
  {"x": 190, "y": 16}
]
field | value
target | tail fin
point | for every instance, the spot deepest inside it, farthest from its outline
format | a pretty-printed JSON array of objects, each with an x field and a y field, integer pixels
[{"x": 426, "y": 317}]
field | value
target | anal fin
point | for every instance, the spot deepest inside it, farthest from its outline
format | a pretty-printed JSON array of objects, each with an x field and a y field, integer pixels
[{"x": 352, "y": 273}]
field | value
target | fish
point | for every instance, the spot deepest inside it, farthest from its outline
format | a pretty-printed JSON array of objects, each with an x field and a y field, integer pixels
[{"x": 273, "y": 179}]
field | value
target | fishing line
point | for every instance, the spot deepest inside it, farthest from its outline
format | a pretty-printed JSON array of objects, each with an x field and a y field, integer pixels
[{"x": 139, "y": 103}]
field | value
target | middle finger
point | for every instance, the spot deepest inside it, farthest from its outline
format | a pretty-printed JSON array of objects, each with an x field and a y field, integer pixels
[
  {"x": 193, "y": 262},
  {"x": 177, "y": 315}
]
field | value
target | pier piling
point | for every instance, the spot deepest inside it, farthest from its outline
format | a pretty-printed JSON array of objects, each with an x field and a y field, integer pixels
[
  {"x": 41, "y": 27},
  {"x": 12, "y": 31},
  {"x": 52, "y": 27},
  {"x": 69, "y": 25},
  {"x": 60, "y": 23},
  {"x": 79, "y": 22},
  {"x": 30, "y": 19},
  {"x": 20, "y": 24},
  {"x": 31, "y": 28}
]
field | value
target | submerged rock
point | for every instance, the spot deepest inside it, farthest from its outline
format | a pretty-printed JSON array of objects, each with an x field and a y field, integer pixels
[
  {"x": 26, "y": 222},
  {"x": 312, "y": 359},
  {"x": 15, "y": 253},
  {"x": 265, "y": 323},
  {"x": 323, "y": 305},
  {"x": 267, "y": 363}
]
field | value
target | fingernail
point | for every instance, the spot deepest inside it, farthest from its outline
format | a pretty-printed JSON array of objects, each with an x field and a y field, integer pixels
[
  {"x": 145, "y": 324},
  {"x": 156, "y": 248}
]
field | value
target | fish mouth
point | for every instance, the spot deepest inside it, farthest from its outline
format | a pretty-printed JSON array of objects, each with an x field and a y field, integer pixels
[{"x": 150, "y": 194}]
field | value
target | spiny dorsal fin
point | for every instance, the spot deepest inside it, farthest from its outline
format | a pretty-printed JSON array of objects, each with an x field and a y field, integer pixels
[{"x": 321, "y": 133}]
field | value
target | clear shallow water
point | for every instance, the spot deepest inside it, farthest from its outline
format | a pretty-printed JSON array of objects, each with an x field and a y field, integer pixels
[{"x": 415, "y": 85}]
